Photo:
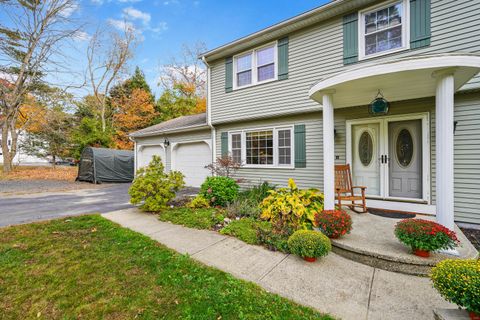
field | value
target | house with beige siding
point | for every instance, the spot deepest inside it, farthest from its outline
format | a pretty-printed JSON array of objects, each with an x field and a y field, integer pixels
[{"x": 389, "y": 87}]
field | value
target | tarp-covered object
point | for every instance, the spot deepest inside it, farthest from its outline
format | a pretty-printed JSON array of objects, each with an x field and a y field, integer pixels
[{"x": 106, "y": 165}]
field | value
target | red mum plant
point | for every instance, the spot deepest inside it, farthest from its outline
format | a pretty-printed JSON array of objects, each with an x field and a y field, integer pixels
[
  {"x": 333, "y": 223},
  {"x": 424, "y": 236}
]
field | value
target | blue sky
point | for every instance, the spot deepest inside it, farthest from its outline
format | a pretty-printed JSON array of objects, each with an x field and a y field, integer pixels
[{"x": 167, "y": 24}]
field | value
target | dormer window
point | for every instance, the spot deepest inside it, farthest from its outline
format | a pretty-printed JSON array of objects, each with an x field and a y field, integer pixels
[
  {"x": 256, "y": 66},
  {"x": 383, "y": 29}
]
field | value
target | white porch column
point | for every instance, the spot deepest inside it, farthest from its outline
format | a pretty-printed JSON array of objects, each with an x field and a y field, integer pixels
[
  {"x": 328, "y": 151},
  {"x": 444, "y": 102}
]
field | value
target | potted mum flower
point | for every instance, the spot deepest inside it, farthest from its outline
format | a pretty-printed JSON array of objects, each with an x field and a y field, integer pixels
[
  {"x": 458, "y": 281},
  {"x": 334, "y": 223},
  {"x": 424, "y": 236},
  {"x": 309, "y": 244}
]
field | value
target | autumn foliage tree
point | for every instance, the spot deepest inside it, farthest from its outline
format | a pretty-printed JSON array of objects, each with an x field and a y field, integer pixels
[{"x": 133, "y": 112}]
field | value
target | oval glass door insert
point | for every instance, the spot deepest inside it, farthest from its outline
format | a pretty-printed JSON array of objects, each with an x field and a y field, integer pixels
[
  {"x": 365, "y": 148},
  {"x": 404, "y": 148}
]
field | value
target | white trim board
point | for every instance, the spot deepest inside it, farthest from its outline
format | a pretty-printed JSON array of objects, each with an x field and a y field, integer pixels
[{"x": 402, "y": 206}]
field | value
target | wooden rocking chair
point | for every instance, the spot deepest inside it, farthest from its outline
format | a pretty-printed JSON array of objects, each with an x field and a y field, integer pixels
[{"x": 344, "y": 189}]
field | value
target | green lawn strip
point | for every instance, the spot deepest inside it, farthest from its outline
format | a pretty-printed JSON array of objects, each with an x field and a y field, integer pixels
[
  {"x": 88, "y": 267},
  {"x": 192, "y": 218},
  {"x": 245, "y": 229}
]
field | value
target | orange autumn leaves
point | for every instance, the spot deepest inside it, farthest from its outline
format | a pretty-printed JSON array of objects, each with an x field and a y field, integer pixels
[{"x": 132, "y": 112}]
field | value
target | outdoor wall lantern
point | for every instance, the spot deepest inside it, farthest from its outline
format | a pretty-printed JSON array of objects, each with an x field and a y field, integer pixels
[
  {"x": 379, "y": 106},
  {"x": 166, "y": 143},
  {"x": 454, "y": 126}
]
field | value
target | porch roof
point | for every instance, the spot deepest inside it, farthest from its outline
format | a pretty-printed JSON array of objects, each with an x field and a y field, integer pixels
[{"x": 401, "y": 79}]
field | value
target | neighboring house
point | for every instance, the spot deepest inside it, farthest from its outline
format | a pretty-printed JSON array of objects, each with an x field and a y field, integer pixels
[
  {"x": 22, "y": 157},
  {"x": 294, "y": 99}
]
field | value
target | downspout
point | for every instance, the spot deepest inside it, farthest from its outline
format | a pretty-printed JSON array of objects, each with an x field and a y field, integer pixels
[
  {"x": 209, "y": 110},
  {"x": 134, "y": 154}
]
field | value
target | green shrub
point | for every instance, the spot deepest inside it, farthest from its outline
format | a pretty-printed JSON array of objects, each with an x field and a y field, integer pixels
[
  {"x": 193, "y": 218},
  {"x": 198, "y": 202},
  {"x": 292, "y": 206},
  {"x": 154, "y": 188},
  {"x": 245, "y": 229},
  {"x": 274, "y": 239},
  {"x": 458, "y": 281},
  {"x": 256, "y": 194},
  {"x": 425, "y": 235},
  {"x": 219, "y": 191},
  {"x": 308, "y": 243}
]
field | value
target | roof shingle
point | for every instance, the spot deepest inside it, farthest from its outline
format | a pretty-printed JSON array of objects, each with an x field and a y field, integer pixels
[{"x": 184, "y": 122}]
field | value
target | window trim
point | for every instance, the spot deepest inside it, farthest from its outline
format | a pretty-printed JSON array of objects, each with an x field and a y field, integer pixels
[
  {"x": 405, "y": 29},
  {"x": 275, "y": 130},
  {"x": 255, "y": 66}
]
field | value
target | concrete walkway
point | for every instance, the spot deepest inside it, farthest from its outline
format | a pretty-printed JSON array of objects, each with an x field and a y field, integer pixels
[{"x": 334, "y": 285}]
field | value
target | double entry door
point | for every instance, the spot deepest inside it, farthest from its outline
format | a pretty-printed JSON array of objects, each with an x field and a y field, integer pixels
[{"x": 390, "y": 156}]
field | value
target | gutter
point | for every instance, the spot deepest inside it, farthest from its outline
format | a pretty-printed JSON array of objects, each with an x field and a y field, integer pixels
[
  {"x": 176, "y": 130},
  {"x": 209, "y": 109}
]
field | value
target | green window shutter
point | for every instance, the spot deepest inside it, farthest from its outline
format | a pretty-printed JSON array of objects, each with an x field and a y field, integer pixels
[
  {"x": 228, "y": 74},
  {"x": 300, "y": 146},
  {"x": 350, "y": 38},
  {"x": 283, "y": 58},
  {"x": 419, "y": 23},
  {"x": 224, "y": 144}
]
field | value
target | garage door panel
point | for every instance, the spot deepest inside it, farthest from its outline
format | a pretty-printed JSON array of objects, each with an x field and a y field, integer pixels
[
  {"x": 147, "y": 153},
  {"x": 191, "y": 159}
]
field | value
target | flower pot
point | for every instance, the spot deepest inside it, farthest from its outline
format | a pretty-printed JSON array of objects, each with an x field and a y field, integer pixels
[
  {"x": 421, "y": 253},
  {"x": 474, "y": 315},
  {"x": 310, "y": 259}
]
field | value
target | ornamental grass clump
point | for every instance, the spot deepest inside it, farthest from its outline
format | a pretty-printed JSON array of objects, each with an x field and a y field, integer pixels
[
  {"x": 309, "y": 244},
  {"x": 458, "y": 281},
  {"x": 425, "y": 235},
  {"x": 292, "y": 206},
  {"x": 334, "y": 223}
]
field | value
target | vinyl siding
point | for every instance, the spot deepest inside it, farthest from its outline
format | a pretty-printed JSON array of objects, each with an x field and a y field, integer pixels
[
  {"x": 174, "y": 138},
  {"x": 467, "y": 148},
  {"x": 317, "y": 52},
  {"x": 467, "y": 158}
]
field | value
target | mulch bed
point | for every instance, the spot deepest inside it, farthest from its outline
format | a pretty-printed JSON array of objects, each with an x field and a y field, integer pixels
[{"x": 473, "y": 235}]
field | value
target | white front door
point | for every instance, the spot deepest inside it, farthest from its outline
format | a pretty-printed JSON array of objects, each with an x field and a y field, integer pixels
[
  {"x": 365, "y": 155},
  {"x": 390, "y": 156}
]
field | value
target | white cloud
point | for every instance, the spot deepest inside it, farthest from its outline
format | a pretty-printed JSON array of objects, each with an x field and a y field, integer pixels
[
  {"x": 135, "y": 14},
  {"x": 161, "y": 26},
  {"x": 121, "y": 25},
  {"x": 81, "y": 36},
  {"x": 169, "y": 2},
  {"x": 69, "y": 10}
]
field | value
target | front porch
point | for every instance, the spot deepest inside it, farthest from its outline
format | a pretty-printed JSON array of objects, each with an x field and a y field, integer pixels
[
  {"x": 372, "y": 242},
  {"x": 438, "y": 76}
]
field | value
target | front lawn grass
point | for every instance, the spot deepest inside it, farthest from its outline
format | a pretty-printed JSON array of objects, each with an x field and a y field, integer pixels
[
  {"x": 90, "y": 268},
  {"x": 192, "y": 218}
]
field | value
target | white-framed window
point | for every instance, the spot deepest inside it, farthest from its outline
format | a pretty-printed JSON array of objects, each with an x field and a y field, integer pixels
[
  {"x": 263, "y": 147},
  {"x": 384, "y": 29},
  {"x": 236, "y": 147},
  {"x": 255, "y": 66}
]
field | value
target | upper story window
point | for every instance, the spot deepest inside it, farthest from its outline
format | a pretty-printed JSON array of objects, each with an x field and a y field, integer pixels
[
  {"x": 383, "y": 29},
  {"x": 256, "y": 66}
]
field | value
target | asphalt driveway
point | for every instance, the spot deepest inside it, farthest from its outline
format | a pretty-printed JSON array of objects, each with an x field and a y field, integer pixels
[{"x": 16, "y": 209}]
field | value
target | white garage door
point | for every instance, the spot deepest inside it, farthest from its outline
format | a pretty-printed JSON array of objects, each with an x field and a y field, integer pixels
[
  {"x": 146, "y": 155},
  {"x": 191, "y": 159}
]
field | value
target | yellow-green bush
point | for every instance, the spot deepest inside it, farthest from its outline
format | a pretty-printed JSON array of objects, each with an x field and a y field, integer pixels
[
  {"x": 458, "y": 281},
  {"x": 153, "y": 188},
  {"x": 292, "y": 206},
  {"x": 309, "y": 243},
  {"x": 198, "y": 202}
]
